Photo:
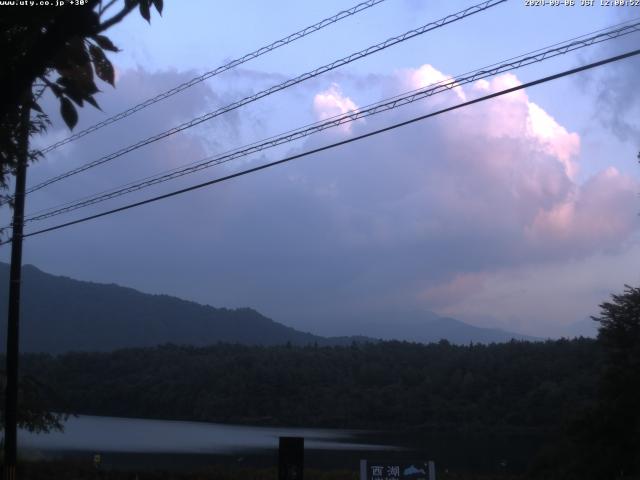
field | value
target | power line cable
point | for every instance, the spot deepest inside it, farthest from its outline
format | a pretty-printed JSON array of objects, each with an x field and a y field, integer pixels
[
  {"x": 276, "y": 88},
  {"x": 337, "y": 120},
  {"x": 336, "y": 144},
  {"x": 223, "y": 68}
]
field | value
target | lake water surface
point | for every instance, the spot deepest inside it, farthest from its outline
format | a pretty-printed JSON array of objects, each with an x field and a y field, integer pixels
[
  {"x": 137, "y": 443},
  {"x": 102, "y": 434}
]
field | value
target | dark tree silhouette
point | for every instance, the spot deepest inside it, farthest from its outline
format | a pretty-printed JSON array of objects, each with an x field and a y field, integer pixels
[
  {"x": 618, "y": 411},
  {"x": 56, "y": 48},
  {"x": 35, "y": 397},
  {"x": 604, "y": 441}
]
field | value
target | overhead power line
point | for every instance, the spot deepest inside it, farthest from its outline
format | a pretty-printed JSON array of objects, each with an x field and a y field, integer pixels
[
  {"x": 216, "y": 71},
  {"x": 276, "y": 88},
  {"x": 336, "y": 144},
  {"x": 353, "y": 115}
]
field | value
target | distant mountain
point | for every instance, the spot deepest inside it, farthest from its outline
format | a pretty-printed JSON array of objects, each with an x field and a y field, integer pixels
[
  {"x": 425, "y": 327},
  {"x": 60, "y": 314}
]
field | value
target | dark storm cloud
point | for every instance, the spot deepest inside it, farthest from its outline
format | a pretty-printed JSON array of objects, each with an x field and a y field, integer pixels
[{"x": 616, "y": 88}]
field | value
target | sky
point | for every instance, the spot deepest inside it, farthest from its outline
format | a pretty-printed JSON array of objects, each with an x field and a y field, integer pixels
[{"x": 518, "y": 213}]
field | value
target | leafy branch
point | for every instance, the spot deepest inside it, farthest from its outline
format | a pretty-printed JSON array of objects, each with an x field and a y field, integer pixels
[{"x": 62, "y": 51}]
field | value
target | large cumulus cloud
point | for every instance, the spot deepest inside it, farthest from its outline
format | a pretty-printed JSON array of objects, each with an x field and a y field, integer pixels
[{"x": 431, "y": 210}]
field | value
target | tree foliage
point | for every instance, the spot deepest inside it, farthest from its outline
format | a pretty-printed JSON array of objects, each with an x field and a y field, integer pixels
[
  {"x": 616, "y": 432},
  {"x": 59, "y": 49},
  {"x": 515, "y": 386},
  {"x": 34, "y": 398},
  {"x": 604, "y": 441}
]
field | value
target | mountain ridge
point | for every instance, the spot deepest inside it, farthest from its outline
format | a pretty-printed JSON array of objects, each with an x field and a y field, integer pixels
[{"x": 94, "y": 316}]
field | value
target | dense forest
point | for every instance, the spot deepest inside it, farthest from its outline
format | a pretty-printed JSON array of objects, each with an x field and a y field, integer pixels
[{"x": 516, "y": 386}]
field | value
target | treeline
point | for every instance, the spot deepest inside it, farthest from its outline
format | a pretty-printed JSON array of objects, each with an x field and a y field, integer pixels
[{"x": 514, "y": 387}]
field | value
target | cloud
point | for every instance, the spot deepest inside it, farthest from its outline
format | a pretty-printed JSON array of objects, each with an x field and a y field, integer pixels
[
  {"x": 133, "y": 86},
  {"x": 460, "y": 286},
  {"x": 553, "y": 138},
  {"x": 543, "y": 298},
  {"x": 483, "y": 189},
  {"x": 615, "y": 89},
  {"x": 331, "y": 102},
  {"x": 597, "y": 214},
  {"x": 426, "y": 216},
  {"x": 424, "y": 76}
]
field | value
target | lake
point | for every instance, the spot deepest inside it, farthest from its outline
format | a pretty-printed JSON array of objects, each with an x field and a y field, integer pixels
[
  {"x": 138, "y": 443},
  {"x": 111, "y": 434},
  {"x": 164, "y": 444}
]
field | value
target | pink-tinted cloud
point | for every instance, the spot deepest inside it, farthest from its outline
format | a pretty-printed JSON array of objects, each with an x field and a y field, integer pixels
[
  {"x": 489, "y": 188},
  {"x": 332, "y": 102},
  {"x": 514, "y": 116},
  {"x": 424, "y": 76},
  {"x": 515, "y": 152},
  {"x": 599, "y": 213},
  {"x": 459, "y": 287}
]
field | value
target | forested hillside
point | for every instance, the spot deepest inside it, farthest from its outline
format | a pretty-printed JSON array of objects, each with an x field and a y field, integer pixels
[
  {"x": 60, "y": 314},
  {"x": 516, "y": 386}
]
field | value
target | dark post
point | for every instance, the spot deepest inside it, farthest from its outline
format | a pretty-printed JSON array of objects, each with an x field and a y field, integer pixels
[
  {"x": 11, "y": 394},
  {"x": 291, "y": 458}
]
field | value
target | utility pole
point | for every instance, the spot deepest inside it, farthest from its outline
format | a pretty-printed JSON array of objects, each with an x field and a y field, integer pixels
[{"x": 15, "y": 279}]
